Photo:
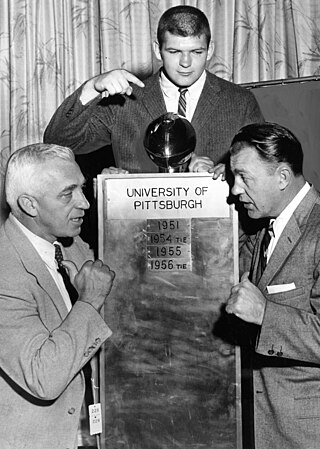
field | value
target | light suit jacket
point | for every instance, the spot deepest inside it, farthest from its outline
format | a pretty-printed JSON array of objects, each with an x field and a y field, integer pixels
[
  {"x": 43, "y": 347},
  {"x": 286, "y": 376},
  {"x": 223, "y": 108}
]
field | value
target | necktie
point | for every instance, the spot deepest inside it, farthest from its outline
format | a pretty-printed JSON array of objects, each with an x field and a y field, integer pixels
[
  {"x": 269, "y": 233},
  {"x": 182, "y": 105},
  {"x": 73, "y": 294}
]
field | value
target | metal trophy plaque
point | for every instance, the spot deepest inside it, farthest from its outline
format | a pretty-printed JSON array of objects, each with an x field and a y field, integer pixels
[
  {"x": 168, "y": 377},
  {"x": 169, "y": 142}
]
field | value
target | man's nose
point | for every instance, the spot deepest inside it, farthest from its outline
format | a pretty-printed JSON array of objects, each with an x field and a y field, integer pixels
[
  {"x": 82, "y": 202},
  {"x": 236, "y": 189},
  {"x": 185, "y": 59}
]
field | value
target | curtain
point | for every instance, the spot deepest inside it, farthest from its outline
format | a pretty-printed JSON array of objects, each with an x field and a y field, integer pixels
[{"x": 49, "y": 47}]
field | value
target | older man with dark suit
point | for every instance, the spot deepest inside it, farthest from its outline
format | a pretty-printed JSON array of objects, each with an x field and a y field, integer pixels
[
  {"x": 216, "y": 108},
  {"x": 280, "y": 294},
  {"x": 45, "y": 341}
]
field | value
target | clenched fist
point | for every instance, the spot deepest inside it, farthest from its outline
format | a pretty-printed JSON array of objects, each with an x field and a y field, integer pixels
[{"x": 93, "y": 281}]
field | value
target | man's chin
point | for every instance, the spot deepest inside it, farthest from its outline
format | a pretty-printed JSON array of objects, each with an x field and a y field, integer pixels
[
  {"x": 70, "y": 233},
  {"x": 253, "y": 214}
]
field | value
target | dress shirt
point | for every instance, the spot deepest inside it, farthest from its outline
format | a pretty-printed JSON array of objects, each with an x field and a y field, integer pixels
[
  {"x": 46, "y": 251},
  {"x": 280, "y": 222},
  {"x": 171, "y": 94}
]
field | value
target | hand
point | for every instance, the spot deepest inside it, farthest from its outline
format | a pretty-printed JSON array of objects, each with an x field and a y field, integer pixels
[
  {"x": 93, "y": 281},
  {"x": 114, "y": 171},
  {"x": 109, "y": 83},
  {"x": 218, "y": 170},
  {"x": 246, "y": 301},
  {"x": 200, "y": 163}
]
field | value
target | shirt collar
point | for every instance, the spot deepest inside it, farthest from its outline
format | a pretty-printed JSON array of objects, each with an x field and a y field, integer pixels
[
  {"x": 281, "y": 221},
  {"x": 171, "y": 90},
  {"x": 44, "y": 248}
]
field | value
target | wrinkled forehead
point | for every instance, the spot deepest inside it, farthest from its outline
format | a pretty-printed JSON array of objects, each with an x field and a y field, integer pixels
[
  {"x": 60, "y": 172},
  {"x": 242, "y": 155},
  {"x": 185, "y": 42}
]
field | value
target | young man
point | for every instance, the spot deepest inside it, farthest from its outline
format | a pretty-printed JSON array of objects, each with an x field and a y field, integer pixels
[
  {"x": 45, "y": 341},
  {"x": 279, "y": 295},
  {"x": 216, "y": 108}
]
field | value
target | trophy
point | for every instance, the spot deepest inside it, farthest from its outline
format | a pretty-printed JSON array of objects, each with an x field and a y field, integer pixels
[{"x": 169, "y": 142}]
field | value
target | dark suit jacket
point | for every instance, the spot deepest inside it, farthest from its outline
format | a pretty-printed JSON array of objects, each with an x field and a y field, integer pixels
[
  {"x": 43, "y": 348},
  {"x": 287, "y": 354},
  {"x": 223, "y": 108}
]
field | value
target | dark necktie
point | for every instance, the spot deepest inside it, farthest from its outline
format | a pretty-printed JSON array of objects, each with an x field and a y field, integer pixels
[
  {"x": 269, "y": 233},
  {"x": 182, "y": 105},
  {"x": 73, "y": 294}
]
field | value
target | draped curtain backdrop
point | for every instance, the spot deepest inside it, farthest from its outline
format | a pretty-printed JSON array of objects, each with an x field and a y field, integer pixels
[{"x": 49, "y": 47}]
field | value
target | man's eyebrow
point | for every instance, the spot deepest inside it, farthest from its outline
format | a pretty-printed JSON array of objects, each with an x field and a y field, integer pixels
[{"x": 68, "y": 188}]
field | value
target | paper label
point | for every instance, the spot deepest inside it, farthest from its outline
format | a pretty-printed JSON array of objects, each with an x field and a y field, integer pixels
[{"x": 95, "y": 419}]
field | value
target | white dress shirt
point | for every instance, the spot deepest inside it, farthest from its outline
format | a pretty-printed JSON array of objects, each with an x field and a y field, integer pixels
[{"x": 171, "y": 94}]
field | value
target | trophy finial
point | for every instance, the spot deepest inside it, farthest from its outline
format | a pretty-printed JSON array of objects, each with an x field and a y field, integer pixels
[{"x": 169, "y": 142}]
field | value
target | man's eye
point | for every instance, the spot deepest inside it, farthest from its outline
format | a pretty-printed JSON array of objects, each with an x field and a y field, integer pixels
[{"x": 67, "y": 194}]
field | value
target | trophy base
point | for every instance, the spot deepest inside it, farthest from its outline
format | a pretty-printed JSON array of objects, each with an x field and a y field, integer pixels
[{"x": 179, "y": 169}]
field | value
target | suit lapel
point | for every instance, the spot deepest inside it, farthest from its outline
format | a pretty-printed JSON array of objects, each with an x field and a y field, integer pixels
[
  {"x": 152, "y": 97},
  {"x": 207, "y": 104},
  {"x": 34, "y": 265},
  {"x": 288, "y": 240}
]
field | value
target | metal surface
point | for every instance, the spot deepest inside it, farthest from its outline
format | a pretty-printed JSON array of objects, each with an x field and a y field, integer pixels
[{"x": 169, "y": 378}]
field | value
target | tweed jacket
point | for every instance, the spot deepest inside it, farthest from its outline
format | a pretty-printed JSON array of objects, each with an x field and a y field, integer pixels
[
  {"x": 286, "y": 362},
  {"x": 43, "y": 347},
  {"x": 223, "y": 108}
]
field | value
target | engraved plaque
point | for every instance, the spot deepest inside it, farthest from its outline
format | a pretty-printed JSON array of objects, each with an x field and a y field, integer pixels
[
  {"x": 169, "y": 245},
  {"x": 169, "y": 378}
]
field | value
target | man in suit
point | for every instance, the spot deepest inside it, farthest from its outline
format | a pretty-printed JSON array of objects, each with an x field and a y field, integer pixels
[
  {"x": 45, "y": 341},
  {"x": 279, "y": 295},
  {"x": 216, "y": 108}
]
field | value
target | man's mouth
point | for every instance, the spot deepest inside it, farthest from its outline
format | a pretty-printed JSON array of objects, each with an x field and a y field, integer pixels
[
  {"x": 247, "y": 205},
  {"x": 77, "y": 220}
]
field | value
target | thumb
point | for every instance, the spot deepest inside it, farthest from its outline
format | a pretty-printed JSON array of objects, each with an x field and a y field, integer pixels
[
  {"x": 72, "y": 269},
  {"x": 245, "y": 276}
]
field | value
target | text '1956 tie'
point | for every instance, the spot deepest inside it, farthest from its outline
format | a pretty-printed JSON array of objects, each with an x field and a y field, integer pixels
[
  {"x": 182, "y": 104},
  {"x": 73, "y": 294}
]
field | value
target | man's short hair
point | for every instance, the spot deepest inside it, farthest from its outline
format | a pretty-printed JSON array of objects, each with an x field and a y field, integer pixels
[
  {"x": 183, "y": 21},
  {"x": 24, "y": 167},
  {"x": 274, "y": 144}
]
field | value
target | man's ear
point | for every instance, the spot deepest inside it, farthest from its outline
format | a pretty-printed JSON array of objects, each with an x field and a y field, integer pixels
[
  {"x": 285, "y": 176},
  {"x": 210, "y": 50},
  {"x": 28, "y": 204},
  {"x": 156, "y": 50}
]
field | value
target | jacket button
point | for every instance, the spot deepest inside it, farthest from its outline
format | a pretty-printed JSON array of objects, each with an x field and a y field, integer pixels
[
  {"x": 271, "y": 351},
  {"x": 280, "y": 354},
  {"x": 71, "y": 410}
]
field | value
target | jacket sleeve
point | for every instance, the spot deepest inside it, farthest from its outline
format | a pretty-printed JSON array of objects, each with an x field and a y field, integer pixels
[
  {"x": 40, "y": 358},
  {"x": 83, "y": 128}
]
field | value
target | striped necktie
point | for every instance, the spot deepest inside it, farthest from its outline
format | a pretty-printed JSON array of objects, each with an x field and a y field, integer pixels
[
  {"x": 269, "y": 233},
  {"x": 73, "y": 294},
  {"x": 182, "y": 105}
]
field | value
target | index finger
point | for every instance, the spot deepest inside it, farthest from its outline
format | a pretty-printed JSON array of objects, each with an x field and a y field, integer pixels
[{"x": 133, "y": 79}]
